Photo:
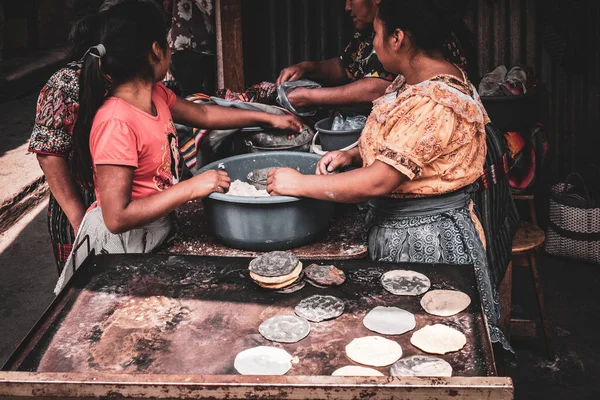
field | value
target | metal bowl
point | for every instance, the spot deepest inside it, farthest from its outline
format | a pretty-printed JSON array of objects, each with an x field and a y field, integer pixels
[{"x": 266, "y": 223}]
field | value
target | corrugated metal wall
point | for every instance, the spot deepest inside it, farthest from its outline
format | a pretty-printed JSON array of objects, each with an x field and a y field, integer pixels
[{"x": 278, "y": 33}]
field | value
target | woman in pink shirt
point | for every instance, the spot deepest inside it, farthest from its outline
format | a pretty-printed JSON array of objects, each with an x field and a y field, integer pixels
[{"x": 125, "y": 143}]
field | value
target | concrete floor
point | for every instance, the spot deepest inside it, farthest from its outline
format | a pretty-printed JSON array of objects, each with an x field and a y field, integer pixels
[{"x": 27, "y": 277}]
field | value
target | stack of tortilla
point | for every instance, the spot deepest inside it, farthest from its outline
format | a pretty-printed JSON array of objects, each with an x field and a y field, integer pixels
[{"x": 278, "y": 270}]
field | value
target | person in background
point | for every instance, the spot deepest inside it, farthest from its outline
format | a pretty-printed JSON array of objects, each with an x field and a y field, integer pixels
[
  {"x": 124, "y": 138},
  {"x": 356, "y": 78},
  {"x": 51, "y": 141},
  {"x": 421, "y": 151},
  {"x": 192, "y": 41}
]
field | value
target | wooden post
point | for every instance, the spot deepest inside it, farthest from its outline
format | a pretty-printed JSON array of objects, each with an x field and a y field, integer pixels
[{"x": 230, "y": 53}]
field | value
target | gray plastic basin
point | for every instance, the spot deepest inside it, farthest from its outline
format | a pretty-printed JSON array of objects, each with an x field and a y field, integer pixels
[
  {"x": 335, "y": 140},
  {"x": 266, "y": 223}
]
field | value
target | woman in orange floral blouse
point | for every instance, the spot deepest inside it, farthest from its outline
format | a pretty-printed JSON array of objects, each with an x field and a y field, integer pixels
[{"x": 421, "y": 151}]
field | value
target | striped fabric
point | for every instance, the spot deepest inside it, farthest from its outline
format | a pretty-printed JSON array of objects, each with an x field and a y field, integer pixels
[{"x": 495, "y": 206}]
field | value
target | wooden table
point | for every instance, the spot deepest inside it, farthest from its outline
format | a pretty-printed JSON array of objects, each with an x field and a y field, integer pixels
[{"x": 343, "y": 241}]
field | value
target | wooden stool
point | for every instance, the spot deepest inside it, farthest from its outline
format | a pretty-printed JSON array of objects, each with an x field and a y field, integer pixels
[
  {"x": 528, "y": 238},
  {"x": 529, "y": 198}
]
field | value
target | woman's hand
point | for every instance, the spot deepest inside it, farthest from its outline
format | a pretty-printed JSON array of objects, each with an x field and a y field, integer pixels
[
  {"x": 208, "y": 182},
  {"x": 284, "y": 182},
  {"x": 286, "y": 123},
  {"x": 334, "y": 160},
  {"x": 293, "y": 73}
]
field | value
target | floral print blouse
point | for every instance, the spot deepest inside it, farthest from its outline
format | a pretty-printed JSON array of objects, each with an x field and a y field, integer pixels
[
  {"x": 360, "y": 60},
  {"x": 193, "y": 26},
  {"x": 432, "y": 132},
  {"x": 56, "y": 113}
]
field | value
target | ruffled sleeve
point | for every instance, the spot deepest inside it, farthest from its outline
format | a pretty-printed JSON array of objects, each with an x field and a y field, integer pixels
[
  {"x": 56, "y": 113},
  {"x": 418, "y": 132}
]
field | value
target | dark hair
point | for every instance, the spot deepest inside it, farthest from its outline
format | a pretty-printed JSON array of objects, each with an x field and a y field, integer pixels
[
  {"x": 81, "y": 36},
  {"x": 431, "y": 24},
  {"x": 127, "y": 31}
]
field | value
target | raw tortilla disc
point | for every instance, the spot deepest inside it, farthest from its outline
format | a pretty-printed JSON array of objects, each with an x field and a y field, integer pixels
[
  {"x": 271, "y": 280},
  {"x": 389, "y": 320},
  {"x": 316, "y": 284},
  {"x": 276, "y": 263},
  {"x": 355, "y": 370},
  {"x": 263, "y": 360},
  {"x": 326, "y": 275},
  {"x": 374, "y": 350},
  {"x": 438, "y": 339},
  {"x": 290, "y": 282},
  {"x": 319, "y": 308},
  {"x": 285, "y": 329},
  {"x": 421, "y": 366},
  {"x": 445, "y": 303},
  {"x": 291, "y": 289},
  {"x": 407, "y": 283}
]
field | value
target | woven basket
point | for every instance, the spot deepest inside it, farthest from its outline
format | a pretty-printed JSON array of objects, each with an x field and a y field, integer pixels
[{"x": 574, "y": 222}]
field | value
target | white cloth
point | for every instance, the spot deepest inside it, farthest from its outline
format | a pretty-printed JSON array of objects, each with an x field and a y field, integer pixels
[{"x": 101, "y": 240}]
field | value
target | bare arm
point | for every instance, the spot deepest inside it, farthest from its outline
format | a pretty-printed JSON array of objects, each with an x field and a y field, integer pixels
[
  {"x": 328, "y": 72},
  {"x": 355, "y": 186},
  {"x": 360, "y": 92},
  {"x": 63, "y": 188},
  {"x": 122, "y": 214},
  {"x": 216, "y": 117}
]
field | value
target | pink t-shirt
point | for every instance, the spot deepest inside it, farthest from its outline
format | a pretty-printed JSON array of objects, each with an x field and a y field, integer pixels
[{"x": 125, "y": 135}]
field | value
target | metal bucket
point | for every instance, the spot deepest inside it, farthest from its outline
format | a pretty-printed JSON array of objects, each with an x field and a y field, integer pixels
[
  {"x": 303, "y": 141},
  {"x": 266, "y": 223}
]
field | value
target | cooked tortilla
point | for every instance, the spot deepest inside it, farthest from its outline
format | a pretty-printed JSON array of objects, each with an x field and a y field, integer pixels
[{"x": 389, "y": 320}]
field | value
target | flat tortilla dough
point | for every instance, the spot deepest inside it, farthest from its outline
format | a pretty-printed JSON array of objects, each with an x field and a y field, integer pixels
[
  {"x": 421, "y": 366},
  {"x": 274, "y": 264},
  {"x": 285, "y": 329},
  {"x": 274, "y": 280},
  {"x": 445, "y": 303},
  {"x": 319, "y": 308},
  {"x": 355, "y": 370},
  {"x": 389, "y": 320},
  {"x": 326, "y": 275},
  {"x": 405, "y": 283},
  {"x": 438, "y": 339},
  {"x": 292, "y": 288},
  {"x": 375, "y": 351},
  {"x": 263, "y": 360},
  {"x": 293, "y": 280}
]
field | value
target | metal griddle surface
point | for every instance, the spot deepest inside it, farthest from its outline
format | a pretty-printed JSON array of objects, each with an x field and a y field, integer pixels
[{"x": 165, "y": 314}]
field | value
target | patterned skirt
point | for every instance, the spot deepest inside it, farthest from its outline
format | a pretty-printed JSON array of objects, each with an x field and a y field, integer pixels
[
  {"x": 61, "y": 232},
  {"x": 438, "y": 230}
]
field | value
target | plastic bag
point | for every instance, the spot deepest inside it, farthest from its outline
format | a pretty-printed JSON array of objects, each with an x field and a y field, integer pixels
[
  {"x": 286, "y": 87},
  {"x": 341, "y": 123}
]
